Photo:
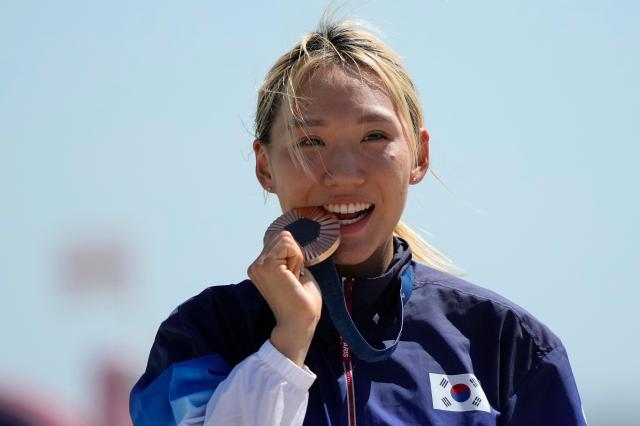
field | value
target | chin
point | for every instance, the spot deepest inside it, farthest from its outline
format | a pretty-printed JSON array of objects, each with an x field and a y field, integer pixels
[
  {"x": 364, "y": 259},
  {"x": 352, "y": 254},
  {"x": 356, "y": 262}
]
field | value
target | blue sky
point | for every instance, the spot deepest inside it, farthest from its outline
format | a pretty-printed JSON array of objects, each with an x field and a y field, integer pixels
[{"x": 133, "y": 121}]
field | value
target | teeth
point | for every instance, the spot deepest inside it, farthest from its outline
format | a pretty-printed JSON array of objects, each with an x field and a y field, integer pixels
[{"x": 347, "y": 208}]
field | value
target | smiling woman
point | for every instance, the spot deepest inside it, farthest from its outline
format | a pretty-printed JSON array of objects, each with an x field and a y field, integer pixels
[
  {"x": 339, "y": 131},
  {"x": 355, "y": 152}
]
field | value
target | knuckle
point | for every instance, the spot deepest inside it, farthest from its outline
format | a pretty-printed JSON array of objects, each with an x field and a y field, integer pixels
[
  {"x": 255, "y": 267},
  {"x": 287, "y": 237},
  {"x": 251, "y": 272}
]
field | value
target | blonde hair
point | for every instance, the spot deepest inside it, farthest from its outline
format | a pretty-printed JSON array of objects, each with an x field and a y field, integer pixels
[{"x": 348, "y": 45}]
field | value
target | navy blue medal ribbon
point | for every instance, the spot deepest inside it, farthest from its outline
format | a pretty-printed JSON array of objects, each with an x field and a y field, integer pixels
[{"x": 330, "y": 284}]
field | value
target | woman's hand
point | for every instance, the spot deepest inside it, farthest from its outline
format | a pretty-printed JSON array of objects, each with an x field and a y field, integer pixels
[{"x": 291, "y": 292}]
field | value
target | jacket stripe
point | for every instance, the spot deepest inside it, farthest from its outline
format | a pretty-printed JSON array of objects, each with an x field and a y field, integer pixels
[{"x": 346, "y": 360}]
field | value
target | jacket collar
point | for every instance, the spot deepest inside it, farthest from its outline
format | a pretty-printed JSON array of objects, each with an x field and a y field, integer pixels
[
  {"x": 368, "y": 291},
  {"x": 372, "y": 298}
]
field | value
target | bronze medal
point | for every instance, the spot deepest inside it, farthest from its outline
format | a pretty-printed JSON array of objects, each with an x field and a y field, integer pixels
[{"x": 316, "y": 231}]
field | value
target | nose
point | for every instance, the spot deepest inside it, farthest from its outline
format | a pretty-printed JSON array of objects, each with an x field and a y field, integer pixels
[{"x": 343, "y": 168}]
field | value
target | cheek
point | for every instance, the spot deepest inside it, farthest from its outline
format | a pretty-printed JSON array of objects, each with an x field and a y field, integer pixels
[
  {"x": 285, "y": 165},
  {"x": 284, "y": 169},
  {"x": 396, "y": 162},
  {"x": 292, "y": 184},
  {"x": 394, "y": 169}
]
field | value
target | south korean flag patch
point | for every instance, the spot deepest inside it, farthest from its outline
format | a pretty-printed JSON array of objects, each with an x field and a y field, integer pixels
[{"x": 457, "y": 392}]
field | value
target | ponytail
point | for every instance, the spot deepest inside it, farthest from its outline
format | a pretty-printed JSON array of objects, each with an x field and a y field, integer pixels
[{"x": 424, "y": 252}]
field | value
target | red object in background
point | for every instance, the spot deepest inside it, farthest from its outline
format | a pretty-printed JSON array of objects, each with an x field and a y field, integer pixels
[
  {"x": 115, "y": 383},
  {"x": 96, "y": 263},
  {"x": 22, "y": 407}
]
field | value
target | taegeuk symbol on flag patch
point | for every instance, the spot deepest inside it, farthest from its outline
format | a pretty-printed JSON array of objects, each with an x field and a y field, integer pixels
[{"x": 457, "y": 392}]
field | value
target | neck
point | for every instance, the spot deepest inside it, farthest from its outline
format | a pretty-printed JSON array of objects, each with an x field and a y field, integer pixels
[{"x": 375, "y": 265}]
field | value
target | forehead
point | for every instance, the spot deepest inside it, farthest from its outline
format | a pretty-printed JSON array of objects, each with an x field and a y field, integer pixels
[{"x": 342, "y": 93}]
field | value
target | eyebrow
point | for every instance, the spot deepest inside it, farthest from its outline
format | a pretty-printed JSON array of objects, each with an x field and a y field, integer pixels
[{"x": 369, "y": 117}]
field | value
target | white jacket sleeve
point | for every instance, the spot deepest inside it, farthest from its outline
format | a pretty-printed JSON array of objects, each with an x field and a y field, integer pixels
[{"x": 266, "y": 389}]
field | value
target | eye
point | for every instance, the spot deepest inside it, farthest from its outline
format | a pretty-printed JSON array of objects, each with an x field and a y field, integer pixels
[
  {"x": 310, "y": 141},
  {"x": 374, "y": 136}
]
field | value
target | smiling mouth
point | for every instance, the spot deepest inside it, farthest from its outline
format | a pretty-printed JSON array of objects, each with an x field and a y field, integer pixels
[{"x": 350, "y": 213}]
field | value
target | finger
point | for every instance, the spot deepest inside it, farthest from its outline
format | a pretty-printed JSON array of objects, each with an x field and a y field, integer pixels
[
  {"x": 287, "y": 251},
  {"x": 274, "y": 238}
]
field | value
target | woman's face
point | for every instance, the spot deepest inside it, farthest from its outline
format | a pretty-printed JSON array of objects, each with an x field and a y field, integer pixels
[{"x": 359, "y": 165}]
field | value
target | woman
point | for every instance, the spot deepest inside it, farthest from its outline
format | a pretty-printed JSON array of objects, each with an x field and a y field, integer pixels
[{"x": 339, "y": 126}]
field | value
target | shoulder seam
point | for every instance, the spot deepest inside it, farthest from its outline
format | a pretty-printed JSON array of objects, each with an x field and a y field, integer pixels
[
  {"x": 543, "y": 349},
  {"x": 534, "y": 369}
]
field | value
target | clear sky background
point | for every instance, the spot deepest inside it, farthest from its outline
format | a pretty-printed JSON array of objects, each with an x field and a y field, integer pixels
[{"x": 131, "y": 122}]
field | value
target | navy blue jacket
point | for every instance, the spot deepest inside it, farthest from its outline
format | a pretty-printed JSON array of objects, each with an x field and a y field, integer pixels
[{"x": 453, "y": 332}]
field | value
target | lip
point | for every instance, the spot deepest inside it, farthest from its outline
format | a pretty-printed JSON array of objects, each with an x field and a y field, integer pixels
[{"x": 353, "y": 228}]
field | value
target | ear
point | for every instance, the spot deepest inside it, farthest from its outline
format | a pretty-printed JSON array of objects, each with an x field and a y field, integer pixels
[
  {"x": 420, "y": 169},
  {"x": 263, "y": 168}
]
